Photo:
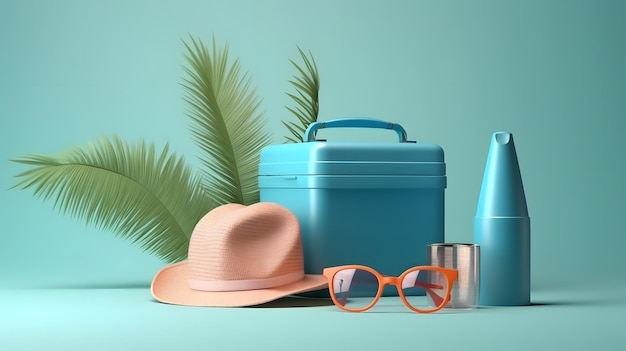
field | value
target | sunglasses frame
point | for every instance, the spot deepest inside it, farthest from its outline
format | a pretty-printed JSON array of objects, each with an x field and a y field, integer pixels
[{"x": 384, "y": 280}]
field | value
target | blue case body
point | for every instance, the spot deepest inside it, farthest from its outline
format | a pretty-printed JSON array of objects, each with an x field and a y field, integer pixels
[{"x": 372, "y": 203}]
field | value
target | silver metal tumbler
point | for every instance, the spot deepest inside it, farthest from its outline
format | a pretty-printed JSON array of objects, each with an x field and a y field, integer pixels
[{"x": 465, "y": 258}]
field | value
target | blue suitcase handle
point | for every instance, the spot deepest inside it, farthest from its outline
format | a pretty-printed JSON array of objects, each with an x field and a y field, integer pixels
[{"x": 311, "y": 131}]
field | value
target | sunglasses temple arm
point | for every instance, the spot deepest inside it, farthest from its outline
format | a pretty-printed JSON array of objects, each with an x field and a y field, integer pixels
[
  {"x": 344, "y": 296},
  {"x": 437, "y": 300},
  {"x": 343, "y": 299}
]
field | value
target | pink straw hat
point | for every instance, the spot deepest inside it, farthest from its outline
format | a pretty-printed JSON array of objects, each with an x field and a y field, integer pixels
[{"x": 239, "y": 256}]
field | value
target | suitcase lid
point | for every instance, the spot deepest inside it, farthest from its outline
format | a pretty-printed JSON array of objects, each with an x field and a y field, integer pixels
[{"x": 352, "y": 158}]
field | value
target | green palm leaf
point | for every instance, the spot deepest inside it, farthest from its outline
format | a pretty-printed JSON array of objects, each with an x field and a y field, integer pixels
[
  {"x": 306, "y": 97},
  {"x": 226, "y": 123},
  {"x": 148, "y": 198},
  {"x": 151, "y": 198}
]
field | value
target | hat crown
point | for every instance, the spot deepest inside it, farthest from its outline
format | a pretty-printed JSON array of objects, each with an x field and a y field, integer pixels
[{"x": 237, "y": 247}]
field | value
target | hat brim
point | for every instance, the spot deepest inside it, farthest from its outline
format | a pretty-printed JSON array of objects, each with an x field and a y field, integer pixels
[{"x": 170, "y": 285}]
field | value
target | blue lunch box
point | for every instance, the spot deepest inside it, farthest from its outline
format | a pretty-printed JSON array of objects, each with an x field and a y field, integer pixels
[{"x": 378, "y": 204}]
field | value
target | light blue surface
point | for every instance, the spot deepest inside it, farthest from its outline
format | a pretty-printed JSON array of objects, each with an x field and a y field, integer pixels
[
  {"x": 127, "y": 319},
  {"x": 451, "y": 72}
]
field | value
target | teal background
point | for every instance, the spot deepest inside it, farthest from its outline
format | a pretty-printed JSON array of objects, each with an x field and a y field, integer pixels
[{"x": 451, "y": 72}]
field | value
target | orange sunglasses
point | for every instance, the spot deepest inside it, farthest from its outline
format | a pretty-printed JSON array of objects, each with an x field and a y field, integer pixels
[{"x": 357, "y": 288}]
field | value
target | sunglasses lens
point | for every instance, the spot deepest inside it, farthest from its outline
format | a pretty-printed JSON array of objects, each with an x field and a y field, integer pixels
[
  {"x": 354, "y": 288},
  {"x": 425, "y": 289}
]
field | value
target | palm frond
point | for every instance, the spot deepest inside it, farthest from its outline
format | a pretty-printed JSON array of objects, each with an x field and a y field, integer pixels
[
  {"x": 226, "y": 123},
  {"x": 306, "y": 98},
  {"x": 151, "y": 199}
]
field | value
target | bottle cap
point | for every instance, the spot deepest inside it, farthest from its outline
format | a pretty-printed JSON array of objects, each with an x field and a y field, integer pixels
[{"x": 502, "y": 191}]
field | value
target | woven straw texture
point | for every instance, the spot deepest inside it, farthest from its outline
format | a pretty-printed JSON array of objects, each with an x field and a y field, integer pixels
[{"x": 235, "y": 243}]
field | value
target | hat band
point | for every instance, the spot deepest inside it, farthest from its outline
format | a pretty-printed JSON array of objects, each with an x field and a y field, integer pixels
[{"x": 245, "y": 284}]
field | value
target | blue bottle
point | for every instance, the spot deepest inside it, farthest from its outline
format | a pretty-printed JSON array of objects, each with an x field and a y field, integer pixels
[{"x": 502, "y": 228}]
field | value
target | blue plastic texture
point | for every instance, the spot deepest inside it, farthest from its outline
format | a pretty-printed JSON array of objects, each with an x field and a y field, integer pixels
[
  {"x": 353, "y": 158},
  {"x": 309, "y": 134},
  {"x": 372, "y": 203},
  {"x": 502, "y": 228}
]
